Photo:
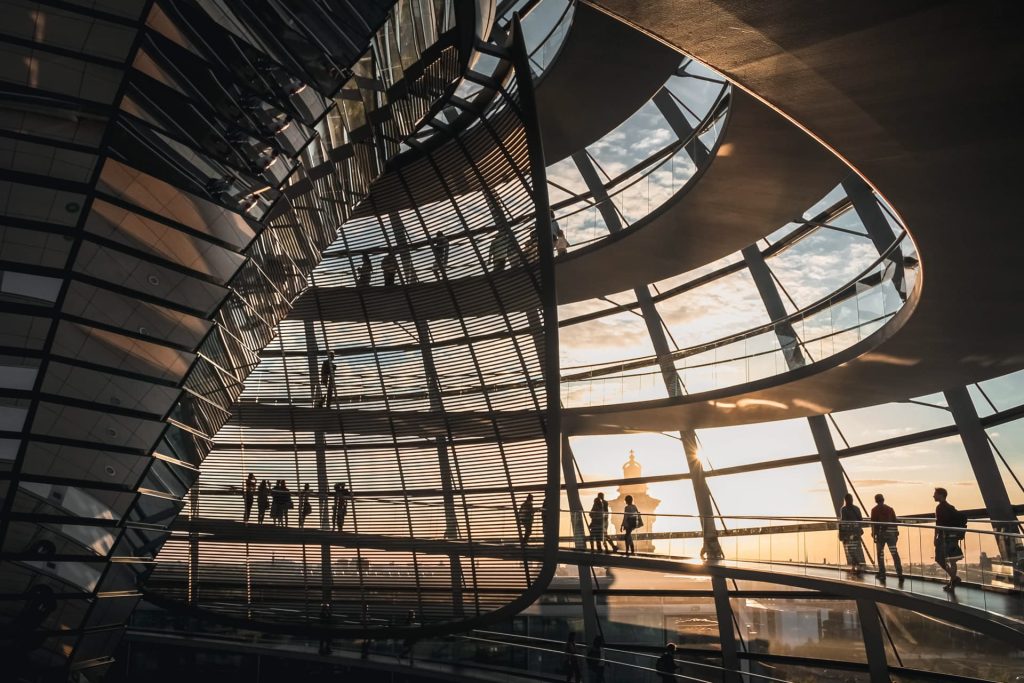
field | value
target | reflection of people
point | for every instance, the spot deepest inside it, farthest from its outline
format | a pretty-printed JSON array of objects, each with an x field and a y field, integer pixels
[
  {"x": 595, "y": 660},
  {"x": 886, "y": 533},
  {"x": 248, "y": 495},
  {"x": 947, "y": 543},
  {"x": 526, "y": 513},
  {"x": 439, "y": 246},
  {"x": 851, "y": 528},
  {"x": 501, "y": 250},
  {"x": 327, "y": 379},
  {"x": 631, "y": 520},
  {"x": 666, "y": 664},
  {"x": 572, "y": 662}
]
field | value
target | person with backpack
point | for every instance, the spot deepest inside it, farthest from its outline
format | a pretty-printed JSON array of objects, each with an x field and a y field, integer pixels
[
  {"x": 631, "y": 520},
  {"x": 947, "y": 540},
  {"x": 526, "y": 512},
  {"x": 666, "y": 664}
]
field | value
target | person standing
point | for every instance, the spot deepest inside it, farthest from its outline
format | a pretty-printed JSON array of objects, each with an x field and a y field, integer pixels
[
  {"x": 341, "y": 496},
  {"x": 561, "y": 244},
  {"x": 851, "y": 528},
  {"x": 631, "y": 520},
  {"x": 595, "y": 660},
  {"x": 439, "y": 247},
  {"x": 886, "y": 533},
  {"x": 947, "y": 541},
  {"x": 327, "y": 380},
  {"x": 304, "y": 505},
  {"x": 573, "y": 674},
  {"x": 389, "y": 267},
  {"x": 364, "y": 272},
  {"x": 666, "y": 665},
  {"x": 286, "y": 502},
  {"x": 276, "y": 504},
  {"x": 598, "y": 523},
  {"x": 325, "y": 622},
  {"x": 248, "y": 496},
  {"x": 526, "y": 514},
  {"x": 262, "y": 500}
]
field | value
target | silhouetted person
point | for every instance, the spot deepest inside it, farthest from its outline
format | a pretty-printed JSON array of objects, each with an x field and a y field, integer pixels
[
  {"x": 276, "y": 503},
  {"x": 263, "y": 500},
  {"x": 531, "y": 253},
  {"x": 500, "y": 250},
  {"x": 439, "y": 247},
  {"x": 599, "y": 525},
  {"x": 364, "y": 272},
  {"x": 886, "y": 533},
  {"x": 340, "y": 508},
  {"x": 572, "y": 662},
  {"x": 526, "y": 514},
  {"x": 631, "y": 520},
  {"x": 305, "y": 507},
  {"x": 286, "y": 502},
  {"x": 851, "y": 528},
  {"x": 947, "y": 543},
  {"x": 595, "y": 660},
  {"x": 248, "y": 496},
  {"x": 325, "y": 621},
  {"x": 561, "y": 244},
  {"x": 389, "y": 267},
  {"x": 666, "y": 664},
  {"x": 409, "y": 641},
  {"x": 327, "y": 380}
]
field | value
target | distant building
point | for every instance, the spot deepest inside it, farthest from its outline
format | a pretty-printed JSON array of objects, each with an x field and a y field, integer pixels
[{"x": 644, "y": 502}]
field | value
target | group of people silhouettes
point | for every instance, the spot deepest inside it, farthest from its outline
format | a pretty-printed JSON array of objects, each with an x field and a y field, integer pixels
[
  {"x": 503, "y": 250},
  {"x": 277, "y": 500},
  {"x": 950, "y": 523}
]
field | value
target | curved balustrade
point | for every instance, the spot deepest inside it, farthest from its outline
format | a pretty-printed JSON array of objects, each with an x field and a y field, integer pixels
[
  {"x": 814, "y": 333},
  {"x": 641, "y": 190}
]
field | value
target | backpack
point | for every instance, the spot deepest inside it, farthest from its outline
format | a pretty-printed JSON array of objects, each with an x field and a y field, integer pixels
[{"x": 959, "y": 520}]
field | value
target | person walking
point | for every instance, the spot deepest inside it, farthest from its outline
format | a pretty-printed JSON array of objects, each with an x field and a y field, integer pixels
[
  {"x": 327, "y": 380},
  {"x": 304, "y": 505},
  {"x": 325, "y": 622},
  {"x": 666, "y": 665},
  {"x": 248, "y": 496},
  {"x": 947, "y": 541},
  {"x": 340, "y": 509},
  {"x": 851, "y": 528},
  {"x": 526, "y": 514},
  {"x": 364, "y": 272},
  {"x": 886, "y": 533},
  {"x": 573, "y": 674},
  {"x": 631, "y": 520},
  {"x": 389, "y": 268},
  {"x": 595, "y": 661},
  {"x": 439, "y": 247},
  {"x": 262, "y": 500}
]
